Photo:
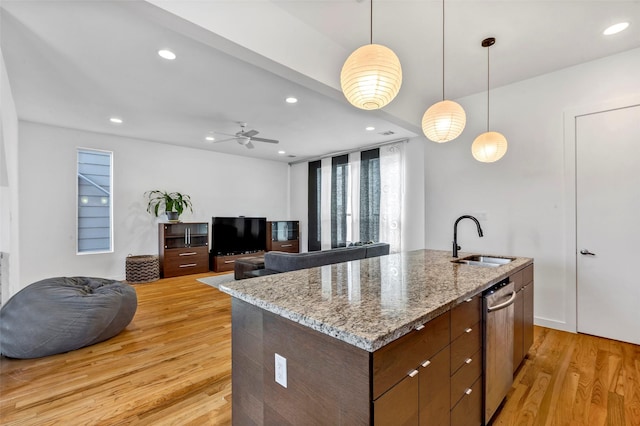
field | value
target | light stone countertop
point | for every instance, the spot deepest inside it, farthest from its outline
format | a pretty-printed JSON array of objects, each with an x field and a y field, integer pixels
[{"x": 371, "y": 302}]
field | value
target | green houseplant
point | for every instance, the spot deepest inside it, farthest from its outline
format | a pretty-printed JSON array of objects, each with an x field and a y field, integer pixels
[{"x": 172, "y": 203}]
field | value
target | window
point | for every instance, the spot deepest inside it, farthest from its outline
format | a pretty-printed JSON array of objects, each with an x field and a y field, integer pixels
[
  {"x": 95, "y": 225},
  {"x": 354, "y": 210}
]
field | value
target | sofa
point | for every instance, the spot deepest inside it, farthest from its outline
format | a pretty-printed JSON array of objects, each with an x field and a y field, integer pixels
[{"x": 276, "y": 262}]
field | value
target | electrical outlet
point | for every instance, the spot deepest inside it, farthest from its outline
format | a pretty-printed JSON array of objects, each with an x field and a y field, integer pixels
[{"x": 281, "y": 370}]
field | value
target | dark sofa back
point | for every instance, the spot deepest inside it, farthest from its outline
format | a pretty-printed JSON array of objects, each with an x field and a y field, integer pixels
[{"x": 284, "y": 262}]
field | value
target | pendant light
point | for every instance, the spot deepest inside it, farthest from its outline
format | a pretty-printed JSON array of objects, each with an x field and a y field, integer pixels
[
  {"x": 371, "y": 76},
  {"x": 445, "y": 120},
  {"x": 489, "y": 146}
]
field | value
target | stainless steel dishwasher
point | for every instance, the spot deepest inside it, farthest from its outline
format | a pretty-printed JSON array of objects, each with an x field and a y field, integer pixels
[{"x": 498, "y": 345}]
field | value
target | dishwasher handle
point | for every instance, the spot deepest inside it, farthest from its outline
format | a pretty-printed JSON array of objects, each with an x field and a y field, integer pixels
[{"x": 504, "y": 304}]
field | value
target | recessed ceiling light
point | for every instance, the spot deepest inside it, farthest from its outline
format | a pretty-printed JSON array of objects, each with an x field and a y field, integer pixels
[
  {"x": 291, "y": 100},
  {"x": 167, "y": 54},
  {"x": 115, "y": 120},
  {"x": 281, "y": 152},
  {"x": 369, "y": 128},
  {"x": 210, "y": 138},
  {"x": 616, "y": 28}
]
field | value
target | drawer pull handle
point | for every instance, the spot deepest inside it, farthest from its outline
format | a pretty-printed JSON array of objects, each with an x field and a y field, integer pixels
[
  {"x": 188, "y": 265},
  {"x": 413, "y": 373},
  {"x": 190, "y": 253},
  {"x": 468, "y": 361},
  {"x": 426, "y": 363},
  {"x": 468, "y": 330},
  {"x": 468, "y": 391},
  {"x": 229, "y": 261},
  {"x": 286, "y": 245},
  {"x": 419, "y": 327},
  {"x": 469, "y": 300}
]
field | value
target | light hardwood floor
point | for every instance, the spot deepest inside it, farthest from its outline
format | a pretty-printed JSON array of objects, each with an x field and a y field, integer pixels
[{"x": 172, "y": 366}]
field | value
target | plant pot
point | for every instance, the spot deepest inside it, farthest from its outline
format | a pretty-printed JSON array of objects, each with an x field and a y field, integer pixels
[{"x": 172, "y": 216}]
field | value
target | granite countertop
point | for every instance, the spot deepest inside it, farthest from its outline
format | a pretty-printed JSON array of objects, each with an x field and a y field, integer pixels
[{"x": 371, "y": 302}]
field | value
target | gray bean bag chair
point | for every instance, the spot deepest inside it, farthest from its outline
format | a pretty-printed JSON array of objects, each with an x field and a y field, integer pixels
[{"x": 58, "y": 315}]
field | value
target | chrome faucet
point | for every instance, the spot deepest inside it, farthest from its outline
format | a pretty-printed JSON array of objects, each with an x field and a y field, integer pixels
[{"x": 456, "y": 247}]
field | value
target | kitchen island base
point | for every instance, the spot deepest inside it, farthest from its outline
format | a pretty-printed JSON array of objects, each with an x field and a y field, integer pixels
[{"x": 327, "y": 379}]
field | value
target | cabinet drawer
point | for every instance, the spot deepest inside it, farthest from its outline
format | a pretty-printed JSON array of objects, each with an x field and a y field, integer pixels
[
  {"x": 224, "y": 263},
  {"x": 185, "y": 261},
  {"x": 465, "y": 315},
  {"x": 435, "y": 408},
  {"x": 292, "y": 246},
  {"x": 466, "y": 375},
  {"x": 468, "y": 412},
  {"x": 399, "y": 406},
  {"x": 465, "y": 346},
  {"x": 394, "y": 361}
]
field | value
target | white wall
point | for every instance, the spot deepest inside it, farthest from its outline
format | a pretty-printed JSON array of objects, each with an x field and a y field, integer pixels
[
  {"x": 523, "y": 196},
  {"x": 219, "y": 185},
  {"x": 9, "y": 218}
]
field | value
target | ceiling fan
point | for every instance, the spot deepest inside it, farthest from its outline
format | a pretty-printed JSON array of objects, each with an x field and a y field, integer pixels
[{"x": 245, "y": 137}]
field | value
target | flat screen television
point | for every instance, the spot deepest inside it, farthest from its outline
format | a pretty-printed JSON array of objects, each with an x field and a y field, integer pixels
[{"x": 237, "y": 235}]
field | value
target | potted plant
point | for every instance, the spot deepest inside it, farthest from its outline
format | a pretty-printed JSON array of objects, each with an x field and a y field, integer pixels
[{"x": 172, "y": 203}]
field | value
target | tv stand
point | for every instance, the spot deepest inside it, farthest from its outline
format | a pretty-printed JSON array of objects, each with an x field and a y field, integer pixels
[{"x": 224, "y": 263}]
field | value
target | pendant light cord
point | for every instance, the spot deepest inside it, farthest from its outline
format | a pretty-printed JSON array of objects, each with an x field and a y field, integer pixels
[
  {"x": 488, "y": 71},
  {"x": 371, "y": 23},
  {"x": 443, "y": 50}
]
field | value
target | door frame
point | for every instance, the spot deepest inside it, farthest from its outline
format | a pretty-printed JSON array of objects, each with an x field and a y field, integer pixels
[{"x": 571, "y": 116}]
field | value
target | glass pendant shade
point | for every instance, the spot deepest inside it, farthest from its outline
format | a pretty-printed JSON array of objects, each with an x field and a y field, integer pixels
[
  {"x": 489, "y": 147},
  {"x": 371, "y": 77},
  {"x": 444, "y": 121}
]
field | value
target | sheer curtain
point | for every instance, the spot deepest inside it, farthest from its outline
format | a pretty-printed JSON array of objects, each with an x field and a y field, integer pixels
[
  {"x": 353, "y": 209},
  {"x": 392, "y": 195}
]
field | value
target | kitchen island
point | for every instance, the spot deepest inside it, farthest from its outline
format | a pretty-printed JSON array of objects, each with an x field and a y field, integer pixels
[{"x": 334, "y": 344}]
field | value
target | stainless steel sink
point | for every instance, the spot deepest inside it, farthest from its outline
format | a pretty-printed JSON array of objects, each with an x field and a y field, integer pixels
[{"x": 481, "y": 260}]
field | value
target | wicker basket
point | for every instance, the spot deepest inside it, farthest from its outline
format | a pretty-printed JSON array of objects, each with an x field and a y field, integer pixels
[{"x": 142, "y": 269}]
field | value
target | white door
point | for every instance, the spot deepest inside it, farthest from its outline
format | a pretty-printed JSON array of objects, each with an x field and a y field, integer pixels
[{"x": 608, "y": 223}]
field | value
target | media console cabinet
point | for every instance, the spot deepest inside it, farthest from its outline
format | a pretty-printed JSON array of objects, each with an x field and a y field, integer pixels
[
  {"x": 183, "y": 248},
  {"x": 218, "y": 263}
]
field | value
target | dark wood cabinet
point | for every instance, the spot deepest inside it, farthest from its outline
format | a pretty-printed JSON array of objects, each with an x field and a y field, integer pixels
[
  {"x": 523, "y": 315},
  {"x": 227, "y": 263},
  {"x": 466, "y": 362},
  {"x": 442, "y": 363},
  {"x": 183, "y": 248},
  {"x": 283, "y": 235},
  {"x": 411, "y": 375}
]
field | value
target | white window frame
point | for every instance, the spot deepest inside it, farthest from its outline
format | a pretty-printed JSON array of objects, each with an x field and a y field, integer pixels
[{"x": 111, "y": 233}]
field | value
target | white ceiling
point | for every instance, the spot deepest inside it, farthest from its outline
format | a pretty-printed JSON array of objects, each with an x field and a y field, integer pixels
[{"x": 76, "y": 63}]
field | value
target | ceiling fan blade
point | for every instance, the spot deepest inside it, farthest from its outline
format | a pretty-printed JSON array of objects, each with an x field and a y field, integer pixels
[
  {"x": 265, "y": 140},
  {"x": 249, "y": 145},
  {"x": 249, "y": 133}
]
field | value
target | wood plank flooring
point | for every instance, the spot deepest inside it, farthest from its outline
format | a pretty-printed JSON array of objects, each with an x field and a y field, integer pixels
[{"x": 172, "y": 366}]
